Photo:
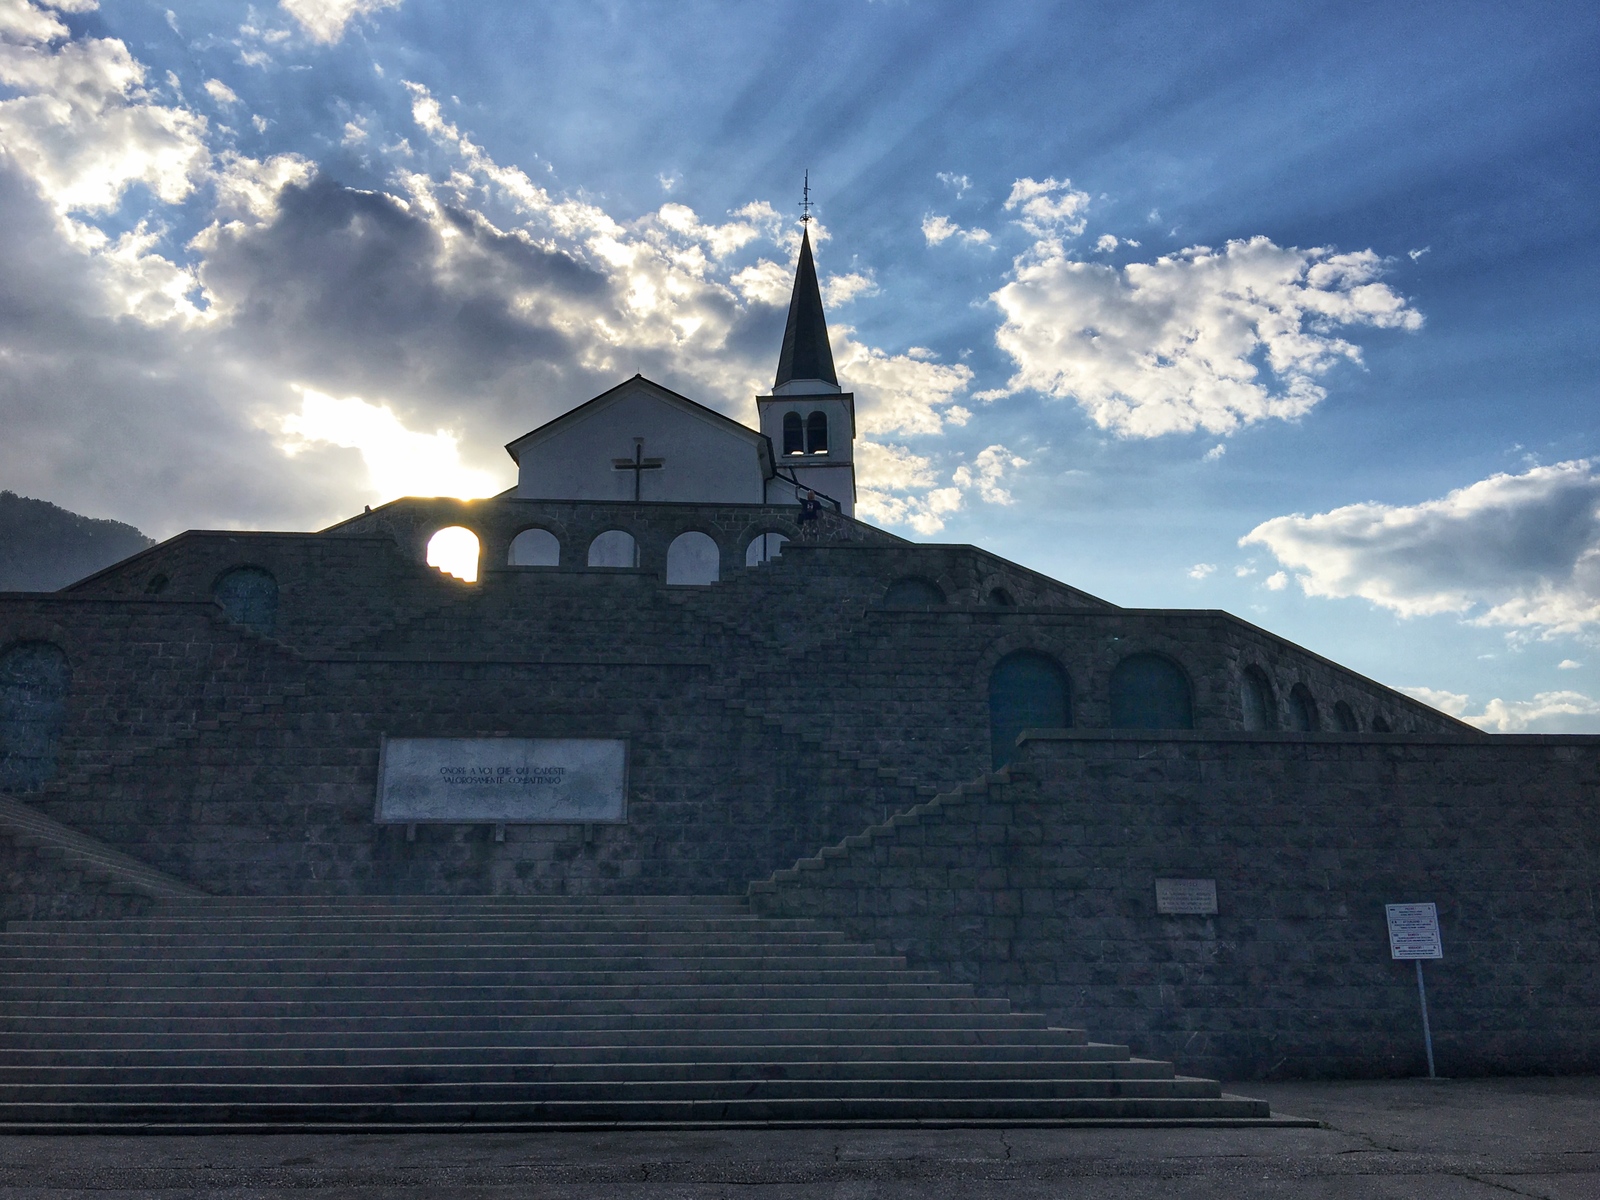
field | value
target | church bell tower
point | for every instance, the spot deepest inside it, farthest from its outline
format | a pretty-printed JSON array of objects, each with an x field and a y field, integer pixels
[{"x": 810, "y": 422}]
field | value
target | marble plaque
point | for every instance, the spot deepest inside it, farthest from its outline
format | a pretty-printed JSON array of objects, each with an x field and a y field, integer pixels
[
  {"x": 1414, "y": 931},
  {"x": 1186, "y": 897},
  {"x": 503, "y": 781}
]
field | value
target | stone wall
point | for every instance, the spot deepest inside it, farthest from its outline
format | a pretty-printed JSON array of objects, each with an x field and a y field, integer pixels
[{"x": 1038, "y": 884}]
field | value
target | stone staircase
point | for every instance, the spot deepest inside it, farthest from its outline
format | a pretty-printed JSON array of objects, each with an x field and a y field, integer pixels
[{"x": 517, "y": 1012}]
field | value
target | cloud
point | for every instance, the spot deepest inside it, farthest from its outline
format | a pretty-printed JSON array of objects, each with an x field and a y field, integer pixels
[
  {"x": 316, "y": 346},
  {"x": 221, "y": 92},
  {"x": 1105, "y": 244},
  {"x": 84, "y": 127},
  {"x": 1275, "y": 582},
  {"x": 937, "y": 229},
  {"x": 984, "y": 474},
  {"x": 897, "y": 486},
  {"x": 1215, "y": 452},
  {"x": 1517, "y": 551},
  {"x": 326, "y": 20},
  {"x": 1547, "y": 712},
  {"x": 1168, "y": 346},
  {"x": 1201, "y": 339},
  {"x": 959, "y": 184},
  {"x": 400, "y": 461},
  {"x": 1201, "y": 570},
  {"x": 1568, "y": 664},
  {"x": 1048, "y": 208},
  {"x": 839, "y": 290}
]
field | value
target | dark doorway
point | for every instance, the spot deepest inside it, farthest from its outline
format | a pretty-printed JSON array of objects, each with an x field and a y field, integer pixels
[
  {"x": 33, "y": 708},
  {"x": 1027, "y": 690}
]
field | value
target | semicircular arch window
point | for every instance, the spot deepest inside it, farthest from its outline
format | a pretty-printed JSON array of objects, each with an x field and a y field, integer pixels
[
  {"x": 249, "y": 595},
  {"x": 1303, "y": 709},
  {"x": 1255, "y": 698},
  {"x": 614, "y": 548},
  {"x": 455, "y": 550},
  {"x": 1149, "y": 691},
  {"x": 1345, "y": 718},
  {"x": 763, "y": 548},
  {"x": 534, "y": 548},
  {"x": 693, "y": 559}
]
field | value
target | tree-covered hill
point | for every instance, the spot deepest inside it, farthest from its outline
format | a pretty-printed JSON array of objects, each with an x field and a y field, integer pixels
[{"x": 44, "y": 547}]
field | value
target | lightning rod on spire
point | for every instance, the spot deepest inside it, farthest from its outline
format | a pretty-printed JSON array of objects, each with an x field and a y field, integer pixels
[{"x": 805, "y": 200}]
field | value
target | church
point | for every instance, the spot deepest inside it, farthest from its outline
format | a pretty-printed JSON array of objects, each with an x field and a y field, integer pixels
[{"x": 661, "y": 769}]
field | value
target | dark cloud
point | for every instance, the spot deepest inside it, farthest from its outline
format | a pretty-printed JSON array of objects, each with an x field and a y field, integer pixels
[{"x": 352, "y": 290}]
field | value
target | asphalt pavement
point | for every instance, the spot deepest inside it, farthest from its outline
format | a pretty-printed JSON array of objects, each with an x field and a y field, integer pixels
[{"x": 1486, "y": 1138}]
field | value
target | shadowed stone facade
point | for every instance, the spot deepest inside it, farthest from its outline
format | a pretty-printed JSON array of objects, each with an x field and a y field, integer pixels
[{"x": 822, "y": 729}]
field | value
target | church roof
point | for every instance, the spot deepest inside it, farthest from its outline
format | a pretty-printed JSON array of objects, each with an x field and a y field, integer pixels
[
  {"x": 639, "y": 383},
  {"x": 805, "y": 354}
]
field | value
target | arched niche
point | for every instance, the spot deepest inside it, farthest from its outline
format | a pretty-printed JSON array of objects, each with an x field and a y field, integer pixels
[
  {"x": 693, "y": 558},
  {"x": 794, "y": 433},
  {"x": 1027, "y": 690},
  {"x": 1344, "y": 718},
  {"x": 817, "y": 433},
  {"x": 764, "y": 547},
  {"x": 1255, "y": 698},
  {"x": 913, "y": 592},
  {"x": 454, "y": 550},
  {"x": 534, "y": 548},
  {"x": 249, "y": 595},
  {"x": 1149, "y": 691},
  {"x": 34, "y": 680},
  {"x": 1000, "y": 598},
  {"x": 1380, "y": 724},
  {"x": 1303, "y": 714},
  {"x": 614, "y": 548},
  {"x": 157, "y": 584}
]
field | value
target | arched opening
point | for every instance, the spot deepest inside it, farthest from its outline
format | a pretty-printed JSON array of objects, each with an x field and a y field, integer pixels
[
  {"x": 1345, "y": 718},
  {"x": 157, "y": 585},
  {"x": 1027, "y": 690},
  {"x": 534, "y": 548},
  {"x": 1380, "y": 724},
  {"x": 763, "y": 548},
  {"x": 913, "y": 592},
  {"x": 1255, "y": 697},
  {"x": 614, "y": 548},
  {"x": 1303, "y": 709},
  {"x": 1150, "y": 692},
  {"x": 693, "y": 558},
  {"x": 1001, "y": 598},
  {"x": 794, "y": 434},
  {"x": 249, "y": 596},
  {"x": 817, "y": 433},
  {"x": 454, "y": 551},
  {"x": 34, "y": 677}
]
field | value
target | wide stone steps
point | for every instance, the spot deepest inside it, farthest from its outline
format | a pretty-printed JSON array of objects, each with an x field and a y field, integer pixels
[{"x": 541, "y": 1011}]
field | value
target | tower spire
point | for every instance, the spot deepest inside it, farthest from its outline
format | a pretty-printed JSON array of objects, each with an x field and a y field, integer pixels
[{"x": 806, "y": 353}]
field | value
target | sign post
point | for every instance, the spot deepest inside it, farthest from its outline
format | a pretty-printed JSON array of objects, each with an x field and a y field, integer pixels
[{"x": 1414, "y": 935}]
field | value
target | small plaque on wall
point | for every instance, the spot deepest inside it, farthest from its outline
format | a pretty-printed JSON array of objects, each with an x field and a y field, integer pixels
[
  {"x": 510, "y": 781},
  {"x": 1186, "y": 897}
]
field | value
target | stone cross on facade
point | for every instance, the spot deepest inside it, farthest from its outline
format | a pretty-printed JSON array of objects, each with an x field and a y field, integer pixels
[{"x": 638, "y": 464}]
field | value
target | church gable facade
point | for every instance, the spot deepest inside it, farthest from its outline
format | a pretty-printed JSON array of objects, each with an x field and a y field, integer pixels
[{"x": 944, "y": 754}]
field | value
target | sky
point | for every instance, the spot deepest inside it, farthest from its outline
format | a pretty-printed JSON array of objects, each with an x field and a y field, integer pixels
[{"x": 1288, "y": 310}]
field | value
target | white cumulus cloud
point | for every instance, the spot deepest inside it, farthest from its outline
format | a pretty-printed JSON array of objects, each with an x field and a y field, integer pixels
[
  {"x": 937, "y": 229},
  {"x": 1547, "y": 712},
  {"x": 1519, "y": 551},
  {"x": 325, "y": 20},
  {"x": 1201, "y": 570},
  {"x": 1048, "y": 208},
  {"x": 1202, "y": 339}
]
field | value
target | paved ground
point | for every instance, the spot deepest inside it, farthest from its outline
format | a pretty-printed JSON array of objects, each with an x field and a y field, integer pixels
[{"x": 1479, "y": 1138}]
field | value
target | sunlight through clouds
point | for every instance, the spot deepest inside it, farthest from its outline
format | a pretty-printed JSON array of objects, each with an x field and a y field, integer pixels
[{"x": 400, "y": 461}]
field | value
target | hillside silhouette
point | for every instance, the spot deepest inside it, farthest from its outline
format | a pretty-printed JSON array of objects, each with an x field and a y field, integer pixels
[{"x": 44, "y": 546}]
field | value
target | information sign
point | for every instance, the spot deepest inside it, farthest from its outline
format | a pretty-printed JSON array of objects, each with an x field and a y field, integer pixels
[
  {"x": 1186, "y": 897},
  {"x": 1414, "y": 931}
]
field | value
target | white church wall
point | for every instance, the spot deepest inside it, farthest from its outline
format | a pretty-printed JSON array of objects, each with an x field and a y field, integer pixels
[{"x": 701, "y": 460}]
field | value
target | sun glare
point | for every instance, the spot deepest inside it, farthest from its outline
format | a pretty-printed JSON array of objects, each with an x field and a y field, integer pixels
[{"x": 455, "y": 552}]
